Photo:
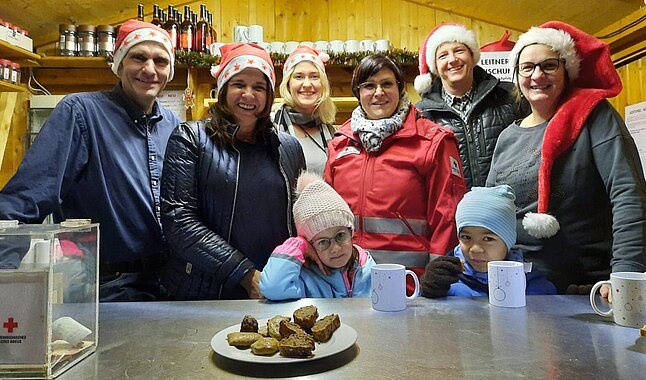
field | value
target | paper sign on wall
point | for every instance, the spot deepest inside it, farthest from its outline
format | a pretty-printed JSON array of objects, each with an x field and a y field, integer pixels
[{"x": 636, "y": 123}]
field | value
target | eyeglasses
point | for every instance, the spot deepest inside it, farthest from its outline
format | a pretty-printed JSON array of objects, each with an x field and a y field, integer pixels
[
  {"x": 548, "y": 67},
  {"x": 342, "y": 237},
  {"x": 371, "y": 87}
]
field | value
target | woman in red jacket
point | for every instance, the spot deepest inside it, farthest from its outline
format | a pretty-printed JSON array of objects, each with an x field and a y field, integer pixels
[{"x": 399, "y": 173}]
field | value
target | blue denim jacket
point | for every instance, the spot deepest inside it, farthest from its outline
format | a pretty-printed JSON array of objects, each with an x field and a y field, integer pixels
[{"x": 98, "y": 156}]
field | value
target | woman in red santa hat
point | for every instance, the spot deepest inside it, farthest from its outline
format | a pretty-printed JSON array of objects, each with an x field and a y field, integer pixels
[
  {"x": 572, "y": 163},
  {"x": 308, "y": 110},
  {"x": 215, "y": 173}
]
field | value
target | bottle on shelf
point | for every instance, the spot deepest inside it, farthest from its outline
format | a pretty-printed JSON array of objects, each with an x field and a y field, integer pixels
[
  {"x": 212, "y": 32},
  {"x": 202, "y": 31},
  {"x": 186, "y": 31},
  {"x": 140, "y": 12},
  {"x": 156, "y": 19},
  {"x": 171, "y": 26}
]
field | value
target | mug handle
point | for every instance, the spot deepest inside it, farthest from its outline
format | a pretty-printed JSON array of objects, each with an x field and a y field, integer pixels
[
  {"x": 593, "y": 299},
  {"x": 416, "y": 292}
]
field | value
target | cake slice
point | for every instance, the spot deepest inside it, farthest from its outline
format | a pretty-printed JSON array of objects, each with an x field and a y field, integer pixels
[
  {"x": 324, "y": 328},
  {"x": 296, "y": 346},
  {"x": 306, "y": 316},
  {"x": 288, "y": 328}
]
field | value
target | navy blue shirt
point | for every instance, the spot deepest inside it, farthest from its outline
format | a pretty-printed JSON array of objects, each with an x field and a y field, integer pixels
[
  {"x": 98, "y": 156},
  {"x": 259, "y": 182}
]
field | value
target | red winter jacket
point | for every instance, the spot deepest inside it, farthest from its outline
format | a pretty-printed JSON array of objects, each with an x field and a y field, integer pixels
[{"x": 404, "y": 198}]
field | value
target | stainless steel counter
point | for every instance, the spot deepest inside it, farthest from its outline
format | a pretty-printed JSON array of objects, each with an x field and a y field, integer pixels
[{"x": 553, "y": 337}]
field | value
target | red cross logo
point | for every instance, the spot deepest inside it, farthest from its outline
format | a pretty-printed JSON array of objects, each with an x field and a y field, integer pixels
[{"x": 10, "y": 325}]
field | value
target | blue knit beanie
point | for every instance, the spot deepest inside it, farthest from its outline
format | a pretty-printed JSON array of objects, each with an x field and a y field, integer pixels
[{"x": 492, "y": 208}]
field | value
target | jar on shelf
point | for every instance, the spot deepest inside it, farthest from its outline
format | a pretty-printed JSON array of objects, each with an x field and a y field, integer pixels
[
  {"x": 86, "y": 36},
  {"x": 105, "y": 38},
  {"x": 15, "y": 73},
  {"x": 67, "y": 40},
  {"x": 5, "y": 70}
]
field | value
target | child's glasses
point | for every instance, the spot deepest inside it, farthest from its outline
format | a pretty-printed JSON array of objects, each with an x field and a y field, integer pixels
[{"x": 342, "y": 237}]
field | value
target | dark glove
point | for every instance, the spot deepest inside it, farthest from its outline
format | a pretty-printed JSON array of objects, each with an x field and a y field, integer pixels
[
  {"x": 583, "y": 290},
  {"x": 439, "y": 275}
]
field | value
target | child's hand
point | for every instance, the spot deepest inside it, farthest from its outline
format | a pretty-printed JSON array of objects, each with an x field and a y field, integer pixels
[
  {"x": 311, "y": 254},
  {"x": 439, "y": 275}
]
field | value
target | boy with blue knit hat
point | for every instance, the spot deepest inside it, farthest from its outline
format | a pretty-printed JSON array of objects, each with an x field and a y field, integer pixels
[{"x": 486, "y": 223}]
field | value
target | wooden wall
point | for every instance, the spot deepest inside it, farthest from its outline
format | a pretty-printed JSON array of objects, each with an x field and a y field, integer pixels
[{"x": 404, "y": 23}]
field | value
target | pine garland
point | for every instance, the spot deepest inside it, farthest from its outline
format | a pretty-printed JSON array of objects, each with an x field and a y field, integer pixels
[{"x": 200, "y": 60}]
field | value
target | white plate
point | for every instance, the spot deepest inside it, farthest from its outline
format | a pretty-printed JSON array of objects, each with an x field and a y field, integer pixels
[{"x": 343, "y": 338}]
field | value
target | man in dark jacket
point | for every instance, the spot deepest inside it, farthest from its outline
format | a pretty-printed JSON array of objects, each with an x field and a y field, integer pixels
[{"x": 475, "y": 105}]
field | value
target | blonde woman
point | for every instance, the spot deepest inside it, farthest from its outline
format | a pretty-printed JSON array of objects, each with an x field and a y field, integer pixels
[{"x": 308, "y": 111}]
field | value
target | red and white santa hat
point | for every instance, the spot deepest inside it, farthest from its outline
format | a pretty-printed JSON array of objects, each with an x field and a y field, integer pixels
[
  {"x": 239, "y": 56},
  {"x": 305, "y": 53},
  {"x": 133, "y": 32},
  {"x": 593, "y": 77},
  {"x": 558, "y": 40},
  {"x": 445, "y": 32}
]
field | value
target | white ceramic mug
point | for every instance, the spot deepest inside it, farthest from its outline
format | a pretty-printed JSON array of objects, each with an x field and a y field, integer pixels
[
  {"x": 389, "y": 287},
  {"x": 240, "y": 33},
  {"x": 507, "y": 283},
  {"x": 628, "y": 298},
  {"x": 277, "y": 47},
  {"x": 322, "y": 45},
  {"x": 215, "y": 48},
  {"x": 336, "y": 46},
  {"x": 367, "y": 45},
  {"x": 290, "y": 46},
  {"x": 309, "y": 44},
  {"x": 351, "y": 46},
  {"x": 382, "y": 45},
  {"x": 255, "y": 34},
  {"x": 266, "y": 46}
]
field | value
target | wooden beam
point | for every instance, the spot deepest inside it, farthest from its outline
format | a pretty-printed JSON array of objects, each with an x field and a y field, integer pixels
[
  {"x": 8, "y": 101},
  {"x": 626, "y": 45}
]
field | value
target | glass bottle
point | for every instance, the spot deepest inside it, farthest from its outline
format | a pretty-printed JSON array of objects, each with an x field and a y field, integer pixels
[
  {"x": 212, "y": 32},
  {"x": 140, "y": 12},
  {"x": 202, "y": 31},
  {"x": 186, "y": 31},
  {"x": 171, "y": 26},
  {"x": 156, "y": 19}
]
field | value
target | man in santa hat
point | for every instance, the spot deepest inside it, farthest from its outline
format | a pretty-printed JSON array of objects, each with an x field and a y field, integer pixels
[
  {"x": 458, "y": 94},
  {"x": 100, "y": 156}
]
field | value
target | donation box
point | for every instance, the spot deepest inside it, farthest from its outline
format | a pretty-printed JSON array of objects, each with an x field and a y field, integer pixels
[{"x": 48, "y": 297}]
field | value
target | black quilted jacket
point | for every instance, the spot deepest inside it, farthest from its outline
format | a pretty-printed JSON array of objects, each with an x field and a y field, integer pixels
[
  {"x": 202, "y": 264},
  {"x": 493, "y": 109}
]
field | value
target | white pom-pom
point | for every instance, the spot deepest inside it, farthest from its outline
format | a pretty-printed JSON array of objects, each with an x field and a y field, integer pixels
[
  {"x": 305, "y": 179},
  {"x": 324, "y": 56},
  {"x": 423, "y": 83},
  {"x": 540, "y": 225},
  {"x": 214, "y": 70}
]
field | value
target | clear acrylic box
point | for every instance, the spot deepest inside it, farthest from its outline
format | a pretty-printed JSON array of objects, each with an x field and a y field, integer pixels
[{"x": 49, "y": 310}]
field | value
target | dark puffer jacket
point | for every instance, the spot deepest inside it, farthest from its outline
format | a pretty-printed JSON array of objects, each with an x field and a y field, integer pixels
[
  {"x": 202, "y": 263},
  {"x": 494, "y": 108}
]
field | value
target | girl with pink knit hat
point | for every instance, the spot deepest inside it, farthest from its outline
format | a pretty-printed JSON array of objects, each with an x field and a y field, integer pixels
[
  {"x": 321, "y": 262},
  {"x": 574, "y": 167}
]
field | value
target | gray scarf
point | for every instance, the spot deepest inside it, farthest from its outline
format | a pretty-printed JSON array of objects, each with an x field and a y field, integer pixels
[{"x": 373, "y": 132}]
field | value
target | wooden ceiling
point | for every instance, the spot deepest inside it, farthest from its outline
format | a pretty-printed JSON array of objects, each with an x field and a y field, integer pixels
[{"x": 41, "y": 17}]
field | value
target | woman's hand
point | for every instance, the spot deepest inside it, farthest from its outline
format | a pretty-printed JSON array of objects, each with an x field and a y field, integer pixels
[
  {"x": 311, "y": 254},
  {"x": 251, "y": 284}
]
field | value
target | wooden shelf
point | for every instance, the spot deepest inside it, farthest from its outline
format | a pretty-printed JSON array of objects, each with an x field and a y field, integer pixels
[
  {"x": 9, "y": 87},
  {"x": 74, "y": 62},
  {"x": 19, "y": 55}
]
